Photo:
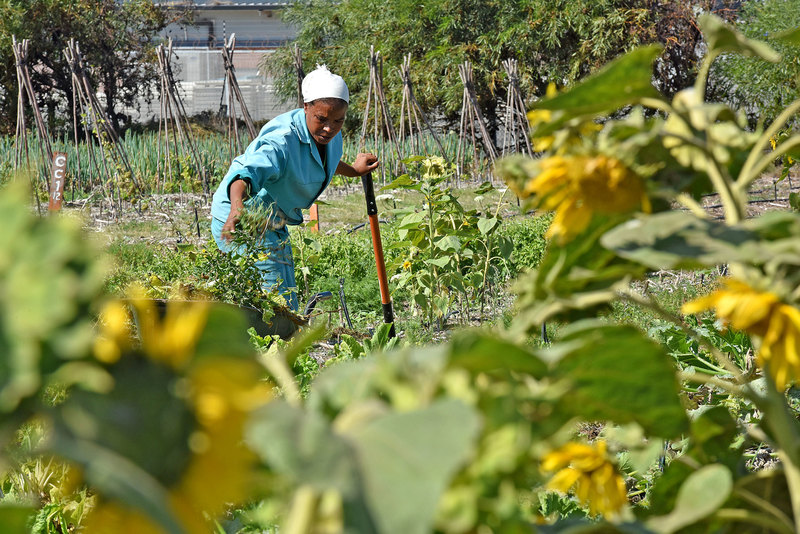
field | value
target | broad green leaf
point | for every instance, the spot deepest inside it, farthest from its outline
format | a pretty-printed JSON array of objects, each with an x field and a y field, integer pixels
[
  {"x": 302, "y": 445},
  {"x": 401, "y": 182},
  {"x": 617, "y": 374},
  {"x": 408, "y": 459},
  {"x": 391, "y": 468},
  {"x": 794, "y": 201},
  {"x": 105, "y": 422},
  {"x": 412, "y": 220},
  {"x": 790, "y": 37},
  {"x": 622, "y": 82},
  {"x": 225, "y": 332},
  {"x": 50, "y": 274},
  {"x": 484, "y": 188},
  {"x": 713, "y": 433},
  {"x": 723, "y": 38},
  {"x": 439, "y": 262},
  {"x": 485, "y": 225},
  {"x": 679, "y": 240},
  {"x": 449, "y": 242},
  {"x": 118, "y": 478},
  {"x": 14, "y": 519},
  {"x": 481, "y": 352},
  {"x": 702, "y": 494}
]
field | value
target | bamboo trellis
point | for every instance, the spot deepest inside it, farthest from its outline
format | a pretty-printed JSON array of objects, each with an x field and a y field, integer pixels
[
  {"x": 515, "y": 120},
  {"x": 377, "y": 107},
  {"x": 298, "y": 69},
  {"x": 411, "y": 113},
  {"x": 470, "y": 118},
  {"x": 235, "y": 95},
  {"x": 25, "y": 89},
  {"x": 98, "y": 121},
  {"x": 173, "y": 113}
]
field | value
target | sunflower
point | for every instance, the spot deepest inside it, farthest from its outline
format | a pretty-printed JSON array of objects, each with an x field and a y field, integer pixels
[
  {"x": 595, "y": 479},
  {"x": 212, "y": 466},
  {"x": 577, "y": 187},
  {"x": 762, "y": 314}
]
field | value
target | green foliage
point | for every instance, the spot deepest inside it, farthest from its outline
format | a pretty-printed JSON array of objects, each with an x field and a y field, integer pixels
[
  {"x": 449, "y": 253},
  {"x": 555, "y": 40},
  {"x": 762, "y": 89},
  {"x": 528, "y": 242},
  {"x": 115, "y": 39},
  {"x": 49, "y": 283},
  {"x": 698, "y": 146}
]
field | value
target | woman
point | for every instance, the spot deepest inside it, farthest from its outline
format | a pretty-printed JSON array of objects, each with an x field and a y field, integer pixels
[{"x": 284, "y": 170}]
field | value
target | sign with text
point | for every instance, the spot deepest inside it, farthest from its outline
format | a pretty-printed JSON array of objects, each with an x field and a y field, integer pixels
[{"x": 59, "y": 172}]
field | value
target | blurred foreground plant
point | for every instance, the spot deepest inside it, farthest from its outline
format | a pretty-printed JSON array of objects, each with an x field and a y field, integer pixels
[{"x": 613, "y": 189}]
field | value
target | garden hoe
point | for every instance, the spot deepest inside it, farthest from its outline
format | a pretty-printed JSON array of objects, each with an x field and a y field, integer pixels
[{"x": 372, "y": 212}]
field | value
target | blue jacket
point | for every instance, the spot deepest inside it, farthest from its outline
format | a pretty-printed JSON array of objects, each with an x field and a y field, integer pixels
[{"x": 281, "y": 166}]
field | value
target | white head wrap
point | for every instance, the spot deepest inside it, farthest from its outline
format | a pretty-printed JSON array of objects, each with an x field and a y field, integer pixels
[{"x": 322, "y": 83}]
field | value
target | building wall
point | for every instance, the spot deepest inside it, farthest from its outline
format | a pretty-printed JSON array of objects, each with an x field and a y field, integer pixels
[{"x": 198, "y": 66}]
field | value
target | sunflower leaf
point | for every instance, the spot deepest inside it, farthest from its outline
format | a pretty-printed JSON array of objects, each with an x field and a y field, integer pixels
[
  {"x": 617, "y": 374},
  {"x": 703, "y": 492},
  {"x": 723, "y": 38},
  {"x": 622, "y": 82}
]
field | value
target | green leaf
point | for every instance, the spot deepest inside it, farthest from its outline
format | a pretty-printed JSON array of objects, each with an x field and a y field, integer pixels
[
  {"x": 481, "y": 352},
  {"x": 412, "y": 220},
  {"x": 622, "y": 82},
  {"x": 616, "y": 373},
  {"x": 678, "y": 240},
  {"x": 408, "y": 460},
  {"x": 723, "y": 38},
  {"x": 303, "y": 446},
  {"x": 390, "y": 468},
  {"x": 118, "y": 478},
  {"x": 485, "y": 225},
  {"x": 702, "y": 494},
  {"x": 439, "y": 262},
  {"x": 225, "y": 333},
  {"x": 794, "y": 201},
  {"x": 484, "y": 188},
  {"x": 14, "y": 519},
  {"x": 790, "y": 37},
  {"x": 449, "y": 243},
  {"x": 401, "y": 182}
]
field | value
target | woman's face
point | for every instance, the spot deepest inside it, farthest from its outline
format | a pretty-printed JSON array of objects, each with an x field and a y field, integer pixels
[{"x": 324, "y": 119}]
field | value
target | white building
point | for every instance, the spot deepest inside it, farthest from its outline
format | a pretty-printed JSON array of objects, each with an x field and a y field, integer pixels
[{"x": 197, "y": 55}]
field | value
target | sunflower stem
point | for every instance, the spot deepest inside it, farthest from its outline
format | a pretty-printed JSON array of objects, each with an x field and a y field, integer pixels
[
  {"x": 303, "y": 512},
  {"x": 701, "y": 378},
  {"x": 786, "y": 434},
  {"x": 746, "y": 175},
  {"x": 277, "y": 367},
  {"x": 692, "y": 205}
]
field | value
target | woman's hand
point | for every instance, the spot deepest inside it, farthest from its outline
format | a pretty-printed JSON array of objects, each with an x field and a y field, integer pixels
[
  {"x": 363, "y": 164},
  {"x": 230, "y": 226},
  {"x": 237, "y": 192}
]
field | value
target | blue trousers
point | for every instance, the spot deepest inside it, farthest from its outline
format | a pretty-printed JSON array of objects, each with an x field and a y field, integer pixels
[{"x": 277, "y": 269}]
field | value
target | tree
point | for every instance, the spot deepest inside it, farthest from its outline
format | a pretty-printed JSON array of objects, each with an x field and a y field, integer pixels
[
  {"x": 558, "y": 41},
  {"x": 761, "y": 89},
  {"x": 116, "y": 40}
]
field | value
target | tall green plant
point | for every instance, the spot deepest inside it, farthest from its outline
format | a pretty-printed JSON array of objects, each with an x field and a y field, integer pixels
[{"x": 452, "y": 254}]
